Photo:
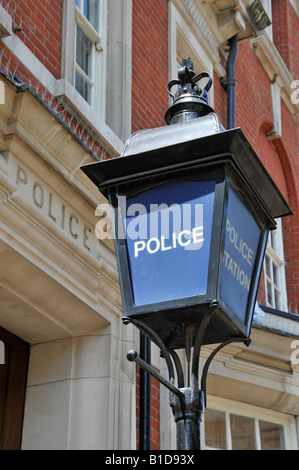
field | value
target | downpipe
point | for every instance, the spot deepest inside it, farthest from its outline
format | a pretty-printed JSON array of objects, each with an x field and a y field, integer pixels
[{"x": 229, "y": 83}]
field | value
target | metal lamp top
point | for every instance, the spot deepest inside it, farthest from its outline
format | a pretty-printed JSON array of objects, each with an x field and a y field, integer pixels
[{"x": 189, "y": 101}]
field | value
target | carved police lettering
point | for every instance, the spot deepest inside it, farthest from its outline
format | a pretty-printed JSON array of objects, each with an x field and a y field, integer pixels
[
  {"x": 71, "y": 226},
  {"x": 86, "y": 234},
  {"x": 21, "y": 176},
  {"x": 183, "y": 239},
  {"x": 38, "y": 195},
  {"x": 52, "y": 206},
  {"x": 62, "y": 216}
]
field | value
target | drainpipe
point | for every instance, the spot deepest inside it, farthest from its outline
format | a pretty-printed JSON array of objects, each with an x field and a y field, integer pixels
[{"x": 230, "y": 82}]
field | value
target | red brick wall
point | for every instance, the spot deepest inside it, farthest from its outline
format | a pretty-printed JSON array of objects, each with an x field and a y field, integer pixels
[
  {"x": 286, "y": 34},
  {"x": 149, "y": 63},
  {"x": 155, "y": 411},
  {"x": 41, "y": 29}
]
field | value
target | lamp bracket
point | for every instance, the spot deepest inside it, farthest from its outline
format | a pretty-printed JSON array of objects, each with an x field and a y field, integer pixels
[{"x": 187, "y": 400}]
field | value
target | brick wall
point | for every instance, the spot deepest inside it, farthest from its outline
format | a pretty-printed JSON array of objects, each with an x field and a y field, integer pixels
[
  {"x": 40, "y": 27},
  {"x": 155, "y": 411},
  {"x": 149, "y": 63},
  {"x": 286, "y": 34}
]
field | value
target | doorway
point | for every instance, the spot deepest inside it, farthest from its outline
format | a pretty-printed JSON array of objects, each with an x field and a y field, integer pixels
[{"x": 13, "y": 376}]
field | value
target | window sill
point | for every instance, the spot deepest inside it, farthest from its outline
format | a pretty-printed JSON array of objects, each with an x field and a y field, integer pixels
[
  {"x": 275, "y": 68},
  {"x": 283, "y": 323},
  {"x": 63, "y": 89},
  {"x": 5, "y": 23}
]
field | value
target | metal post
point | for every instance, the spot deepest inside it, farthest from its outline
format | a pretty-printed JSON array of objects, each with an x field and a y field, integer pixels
[
  {"x": 145, "y": 396},
  {"x": 188, "y": 404}
]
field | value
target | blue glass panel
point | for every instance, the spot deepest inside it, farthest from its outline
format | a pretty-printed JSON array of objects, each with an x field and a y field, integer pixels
[
  {"x": 168, "y": 235},
  {"x": 242, "y": 238}
]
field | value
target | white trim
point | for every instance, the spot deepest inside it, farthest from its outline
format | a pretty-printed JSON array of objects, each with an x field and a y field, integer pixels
[
  {"x": 257, "y": 413},
  {"x": 276, "y": 256},
  {"x": 295, "y": 5},
  {"x": 30, "y": 61},
  {"x": 200, "y": 27},
  {"x": 5, "y": 23},
  {"x": 275, "y": 68},
  {"x": 267, "y": 4},
  {"x": 276, "y": 132},
  {"x": 98, "y": 74},
  {"x": 87, "y": 27},
  {"x": 66, "y": 89},
  {"x": 179, "y": 27},
  {"x": 83, "y": 74},
  {"x": 119, "y": 67},
  {"x": 278, "y": 324}
]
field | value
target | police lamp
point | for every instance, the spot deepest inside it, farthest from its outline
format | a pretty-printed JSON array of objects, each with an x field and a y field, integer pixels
[{"x": 192, "y": 206}]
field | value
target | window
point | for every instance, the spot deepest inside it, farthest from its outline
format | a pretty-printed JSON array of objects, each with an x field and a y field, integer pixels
[
  {"x": 236, "y": 432},
  {"x": 229, "y": 426},
  {"x": 89, "y": 52},
  {"x": 275, "y": 284},
  {"x": 93, "y": 31}
]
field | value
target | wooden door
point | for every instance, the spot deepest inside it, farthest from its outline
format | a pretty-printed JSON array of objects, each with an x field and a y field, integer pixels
[{"x": 13, "y": 375}]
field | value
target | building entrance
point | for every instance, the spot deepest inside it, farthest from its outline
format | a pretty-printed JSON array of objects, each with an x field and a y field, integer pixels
[{"x": 13, "y": 374}]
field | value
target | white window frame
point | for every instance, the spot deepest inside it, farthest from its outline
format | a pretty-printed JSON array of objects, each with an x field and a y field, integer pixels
[
  {"x": 267, "y": 4},
  {"x": 97, "y": 78},
  {"x": 228, "y": 407},
  {"x": 182, "y": 38},
  {"x": 274, "y": 258},
  {"x": 295, "y": 4},
  {"x": 113, "y": 122}
]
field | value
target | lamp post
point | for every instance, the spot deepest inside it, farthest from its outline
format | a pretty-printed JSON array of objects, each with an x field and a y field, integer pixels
[{"x": 192, "y": 206}]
